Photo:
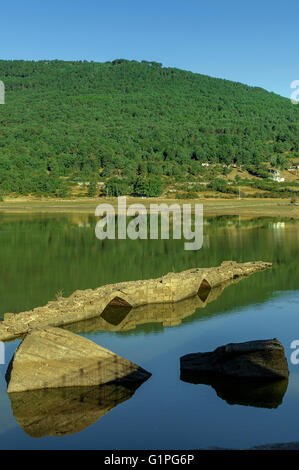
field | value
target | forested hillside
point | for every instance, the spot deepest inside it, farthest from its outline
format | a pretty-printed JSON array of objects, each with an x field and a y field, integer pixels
[{"x": 137, "y": 124}]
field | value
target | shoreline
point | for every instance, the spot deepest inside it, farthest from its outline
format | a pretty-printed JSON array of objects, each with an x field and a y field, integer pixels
[{"x": 212, "y": 206}]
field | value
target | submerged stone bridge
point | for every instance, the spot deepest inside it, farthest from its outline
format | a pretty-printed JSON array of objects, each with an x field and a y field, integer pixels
[{"x": 86, "y": 304}]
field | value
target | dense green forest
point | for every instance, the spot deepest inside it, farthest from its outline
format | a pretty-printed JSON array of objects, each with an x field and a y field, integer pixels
[{"x": 134, "y": 126}]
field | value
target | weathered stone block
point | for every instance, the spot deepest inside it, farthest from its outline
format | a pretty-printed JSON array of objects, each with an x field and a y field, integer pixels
[{"x": 51, "y": 358}]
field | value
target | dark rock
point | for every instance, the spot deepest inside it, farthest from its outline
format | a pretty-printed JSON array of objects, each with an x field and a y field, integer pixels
[
  {"x": 253, "y": 359},
  {"x": 278, "y": 446}
]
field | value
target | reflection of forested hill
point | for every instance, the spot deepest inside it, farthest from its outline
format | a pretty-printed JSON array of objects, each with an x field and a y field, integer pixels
[{"x": 43, "y": 255}]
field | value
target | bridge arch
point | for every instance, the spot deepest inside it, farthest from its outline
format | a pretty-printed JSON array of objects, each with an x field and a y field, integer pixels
[
  {"x": 204, "y": 290},
  {"x": 116, "y": 310}
]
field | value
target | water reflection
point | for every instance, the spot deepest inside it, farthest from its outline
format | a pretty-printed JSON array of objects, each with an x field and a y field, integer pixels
[
  {"x": 63, "y": 411},
  {"x": 248, "y": 392},
  {"x": 63, "y": 254},
  {"x": 41, "y": 255}
]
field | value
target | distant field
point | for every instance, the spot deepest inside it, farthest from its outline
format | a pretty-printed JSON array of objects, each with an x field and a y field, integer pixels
[{"x": 243, "y": 207}]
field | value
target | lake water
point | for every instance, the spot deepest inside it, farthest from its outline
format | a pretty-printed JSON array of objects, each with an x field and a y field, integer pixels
[{"x": 42, "y": 255}]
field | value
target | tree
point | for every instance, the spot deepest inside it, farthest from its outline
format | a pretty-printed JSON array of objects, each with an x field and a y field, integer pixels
[
  {"x": 148, "y": 187},
  {"x": 218, "y": 185},
  {"x": 117, "y": 187},
  {"x": 92, "y": 188}
]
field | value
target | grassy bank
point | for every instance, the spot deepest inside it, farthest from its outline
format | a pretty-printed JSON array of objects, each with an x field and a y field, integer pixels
[{"x": 245, "y": 208}]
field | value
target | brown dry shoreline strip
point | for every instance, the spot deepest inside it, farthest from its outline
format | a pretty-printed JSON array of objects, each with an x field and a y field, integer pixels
[{"x": 249, "y": 207}]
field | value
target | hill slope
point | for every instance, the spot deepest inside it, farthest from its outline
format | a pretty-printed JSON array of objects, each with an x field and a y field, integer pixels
[{"x": 84, "y": 120}]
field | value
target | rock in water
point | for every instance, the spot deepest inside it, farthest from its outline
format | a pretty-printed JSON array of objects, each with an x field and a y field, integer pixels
[
  {"x": 52, "y": 358},
  {"x": 253, "y": 359}
]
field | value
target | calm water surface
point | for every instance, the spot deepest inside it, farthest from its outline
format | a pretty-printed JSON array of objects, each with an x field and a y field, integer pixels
[{"x": 41, "y": 255}]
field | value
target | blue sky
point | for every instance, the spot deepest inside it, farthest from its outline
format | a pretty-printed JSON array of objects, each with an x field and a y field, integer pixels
[{"x": 253, "y": 42}]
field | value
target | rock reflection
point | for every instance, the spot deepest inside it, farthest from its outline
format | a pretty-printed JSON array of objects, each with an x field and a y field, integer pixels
[
  {"x": 259, "y": 393},
  {"x": 63, "y": 411}
]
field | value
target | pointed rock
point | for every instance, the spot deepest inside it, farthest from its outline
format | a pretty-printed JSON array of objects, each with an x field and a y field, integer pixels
[{"x": 52, "y": 358}]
